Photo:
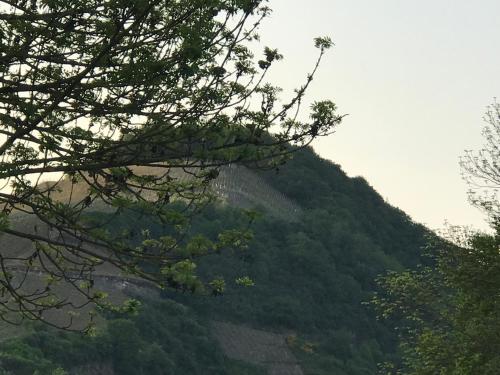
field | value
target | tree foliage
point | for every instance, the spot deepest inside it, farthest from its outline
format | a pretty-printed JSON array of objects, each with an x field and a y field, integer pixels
[
  {"x": 448, "y": 313},
  {"x": 165, "y": 338},
  {"x": 481, "y": 169},
  {"x": 120, "y": 98}
]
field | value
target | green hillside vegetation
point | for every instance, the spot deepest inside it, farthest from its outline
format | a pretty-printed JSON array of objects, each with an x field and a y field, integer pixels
[
  {"x": 165, "y": 338},
  {"x": 312, "y": 278}
]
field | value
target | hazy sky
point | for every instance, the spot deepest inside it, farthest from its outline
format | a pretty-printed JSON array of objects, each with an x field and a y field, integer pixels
[{"x": 414, "y": 77}]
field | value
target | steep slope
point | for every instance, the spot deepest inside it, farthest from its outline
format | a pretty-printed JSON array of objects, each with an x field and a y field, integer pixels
[
  {"x": 314, "y": 259},
  {"x": 313, "y": 277},
  {"x": 320, "y": 186}
]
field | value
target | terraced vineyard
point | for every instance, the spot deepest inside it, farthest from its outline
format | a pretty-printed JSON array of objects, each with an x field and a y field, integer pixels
[
  {"x": 241, "y": 187},
  {"x": 265, "y": 349}
]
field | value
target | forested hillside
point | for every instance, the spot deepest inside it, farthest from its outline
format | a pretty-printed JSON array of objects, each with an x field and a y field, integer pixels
[{"x": 311, "y": 278}]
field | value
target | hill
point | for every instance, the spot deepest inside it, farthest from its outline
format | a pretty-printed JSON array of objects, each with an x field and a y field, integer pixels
[{"x": 314, "y": 258}]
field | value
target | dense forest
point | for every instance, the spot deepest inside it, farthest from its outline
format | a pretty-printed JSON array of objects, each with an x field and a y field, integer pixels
[{"x": 312, "y": 280}]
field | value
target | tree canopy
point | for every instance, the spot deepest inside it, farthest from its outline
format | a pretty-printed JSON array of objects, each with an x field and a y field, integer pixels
[
  {"x": 481, "y": 168},
  {"x": 448, "y": 312},
  {"x": 120, "y": 99}
]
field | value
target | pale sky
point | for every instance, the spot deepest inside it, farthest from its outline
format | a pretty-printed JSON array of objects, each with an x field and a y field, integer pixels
[{"x": 415, "y": 78}]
